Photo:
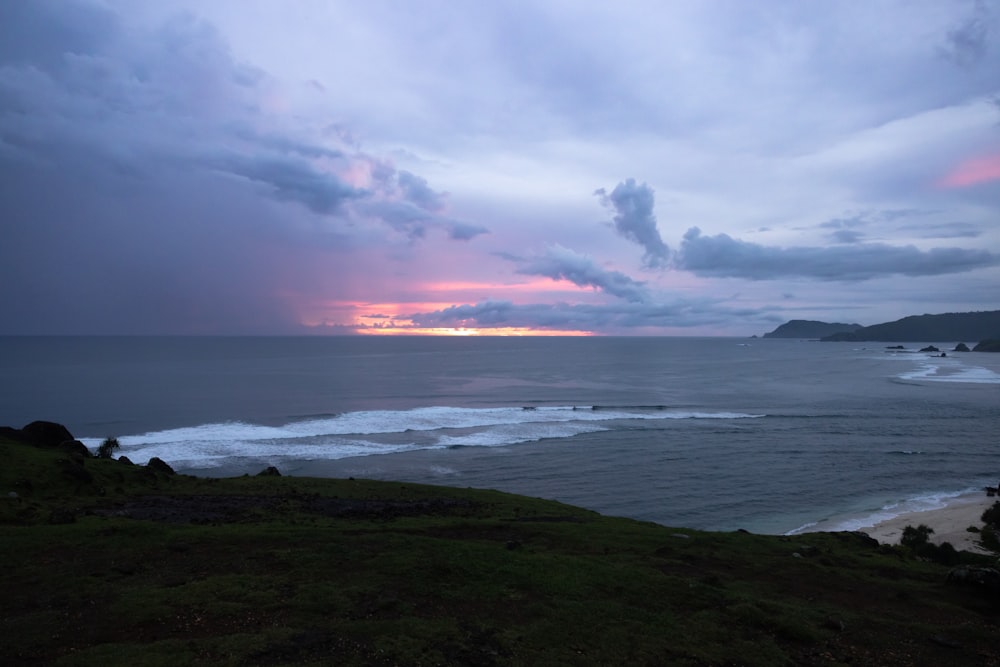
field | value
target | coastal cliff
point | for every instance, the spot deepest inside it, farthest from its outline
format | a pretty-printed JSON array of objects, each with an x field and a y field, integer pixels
[
  {"x": 810, "y": 329},
  {"x": 945, "y": 327}
]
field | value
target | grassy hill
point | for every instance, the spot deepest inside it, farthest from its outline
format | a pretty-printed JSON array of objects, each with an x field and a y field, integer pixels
[{"x": 108, "y": 563}]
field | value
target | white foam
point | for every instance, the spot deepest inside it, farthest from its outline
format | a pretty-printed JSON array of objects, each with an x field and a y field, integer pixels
[
  {"x": 971, "y": 374},
  {"x": 861, "y": 521},
  {"x": 367, "y": 433}
]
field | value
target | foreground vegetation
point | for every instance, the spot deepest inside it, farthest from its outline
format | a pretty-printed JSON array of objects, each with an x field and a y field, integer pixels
[{"x": 108, "y": 563}]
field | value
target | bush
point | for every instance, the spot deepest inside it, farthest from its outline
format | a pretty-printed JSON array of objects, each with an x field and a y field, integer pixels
[
  {"x": 989, "y": 539},
  {"x": 991, "y": 517},
  {"x": 915, "y": 538},
  {"x": 107, "y": 448},
  {"x": 918, "y": 540}
]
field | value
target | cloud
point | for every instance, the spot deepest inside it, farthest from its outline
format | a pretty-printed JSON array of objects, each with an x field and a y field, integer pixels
[
  {"x": 723, "y": 256},
  {"x": 293, "y": 180},
  {"x": 463, "y": 231},
  {"x": 162, "y": 146},
  {"x": 621, "y": 317},
  {"x": 973, "y": 171},
  {"x": 844, "y": 229},
  {"x": 634, "y": 219},
  {"x": 944, "y": 230},
  {"x": 559, "y": 263},
  {"x": 968, "y": 43},
  {"x": 416, "y": 191}
]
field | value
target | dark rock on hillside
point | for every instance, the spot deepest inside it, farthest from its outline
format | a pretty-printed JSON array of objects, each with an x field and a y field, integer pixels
[
  {"x": 160, "y": 465},
  {"x": 988, "y": 345},
  {"x": 961, "y": 347},
  {"x": 810, "y": 329},
  {"x": 46, "y": 434},
  {"x": 928, "y": 328},
  {"x": 74, "y": 447},
  {"x": 269, "y": 471}
]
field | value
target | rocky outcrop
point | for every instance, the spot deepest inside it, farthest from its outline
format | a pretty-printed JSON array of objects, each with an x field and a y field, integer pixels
[
  {"x": 159, "y": 465},
  {"x": 810, "y": 329},
  {"x": 988, "y": 345},
  {"x": 47, "y": 434},
  {"x": 961, "y": 347}
]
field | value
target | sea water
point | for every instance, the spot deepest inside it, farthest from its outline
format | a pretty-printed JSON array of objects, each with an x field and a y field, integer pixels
[{"x": 769, "y": 435}]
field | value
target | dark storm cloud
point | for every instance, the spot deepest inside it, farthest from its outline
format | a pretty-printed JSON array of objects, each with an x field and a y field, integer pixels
[
  {"x": 723, "y": 256},
  {"x": 561, "y": 263},
  {"x": 41, "y": 32},
  {"x": 293, "y": 180},
  {"x": 134, "y": 164},
  {"x": 634, "y": 219}
]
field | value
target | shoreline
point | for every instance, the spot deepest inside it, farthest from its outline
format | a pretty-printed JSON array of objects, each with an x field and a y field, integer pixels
[{"x": 949, "y": 523}]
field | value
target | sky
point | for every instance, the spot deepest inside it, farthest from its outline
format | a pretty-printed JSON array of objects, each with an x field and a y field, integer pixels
[{"x": 711, "y": 167}]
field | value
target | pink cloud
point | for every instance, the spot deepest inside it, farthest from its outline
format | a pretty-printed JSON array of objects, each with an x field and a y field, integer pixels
[{"x": 973, "y": 172}]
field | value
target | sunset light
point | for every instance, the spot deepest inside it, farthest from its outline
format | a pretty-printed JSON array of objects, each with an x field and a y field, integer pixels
[{"x": 973, "y": 172}]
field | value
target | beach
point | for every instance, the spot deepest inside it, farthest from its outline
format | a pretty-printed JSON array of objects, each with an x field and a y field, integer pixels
[{"x": 949, "y": 523}]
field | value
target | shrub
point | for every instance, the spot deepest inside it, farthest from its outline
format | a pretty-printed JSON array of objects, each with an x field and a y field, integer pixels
[
  {"x": 107, "y": 448},
  {"x": 991, "y": 517},
  {"x": 916, "y": 537},
  {"x": 989, "y": 539}
]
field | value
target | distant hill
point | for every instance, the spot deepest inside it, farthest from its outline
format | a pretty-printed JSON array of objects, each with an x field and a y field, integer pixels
[
  {"x": 810, "y": 329},
  {"x": 946, "y": 327}
]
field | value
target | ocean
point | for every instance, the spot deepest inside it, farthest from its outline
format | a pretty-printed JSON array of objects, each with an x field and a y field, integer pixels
[{"x": 769, "y": 435}]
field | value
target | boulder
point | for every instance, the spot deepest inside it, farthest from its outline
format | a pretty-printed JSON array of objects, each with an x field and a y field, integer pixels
[
  {"x": 46, "y": 434},
  {"x": 961, "y": 347},
  {"x": 74, "y": 447},
  {"x": 269, "y": 471},
  {"x": 159, "y": 465},
  {"x": 988, "y": 345},
  {"x": 929, "y": 348}
]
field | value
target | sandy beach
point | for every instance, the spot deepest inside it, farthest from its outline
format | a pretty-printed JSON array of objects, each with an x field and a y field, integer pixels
[{"x": 950, "y": 523}]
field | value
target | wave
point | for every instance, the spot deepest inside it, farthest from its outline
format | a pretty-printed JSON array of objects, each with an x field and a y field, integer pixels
[
  {"x": 374, "y": 432},
  {"x": 861, "y": 521},
  {"x": 933, "y": 373}
]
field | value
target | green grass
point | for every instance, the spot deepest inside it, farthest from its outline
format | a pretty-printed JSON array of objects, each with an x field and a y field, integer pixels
[{"x": 107, "y": 563}]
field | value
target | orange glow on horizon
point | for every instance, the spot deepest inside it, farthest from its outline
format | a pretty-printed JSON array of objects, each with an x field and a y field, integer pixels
[
  {"x": 466, "y": 331},
  {"x": 390, "y": 319}
]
